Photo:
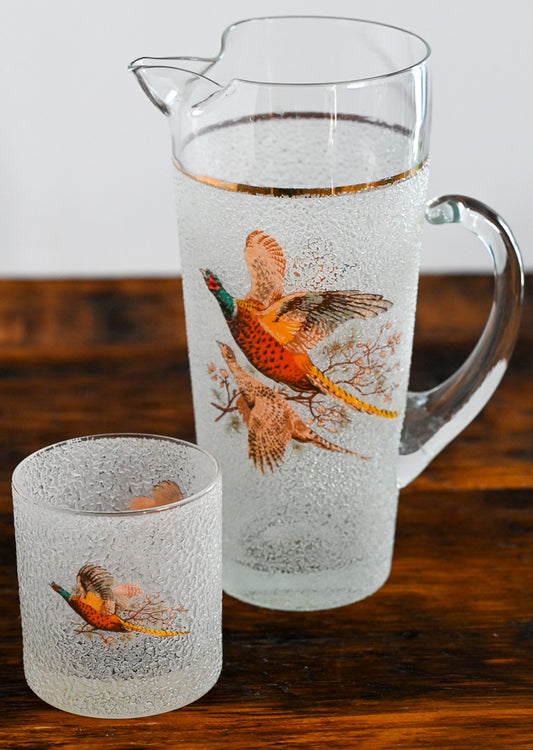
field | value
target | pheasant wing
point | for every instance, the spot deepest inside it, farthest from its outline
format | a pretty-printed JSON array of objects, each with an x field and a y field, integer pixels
[
  {"x": 302, "y": 320},
  {"x": 97, "y": 584},
  {"x": 243, "y": 409},
  {"x": 164, "y": 493},
  {"x": 167, "y": 492},
  {"x": 266, "y": 266},
  {"x": 269, "y": 431},
  {"x": 95, "y": 578},
  {"x": 124, "y": 592}
]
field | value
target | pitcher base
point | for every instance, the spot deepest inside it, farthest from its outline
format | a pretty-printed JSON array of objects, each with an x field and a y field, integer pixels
[{"x": 301, "y": 592}]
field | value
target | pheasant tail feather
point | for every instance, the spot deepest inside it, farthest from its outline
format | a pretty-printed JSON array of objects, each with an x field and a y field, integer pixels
[
  {"x": 324, "y": 384},
  {"x": 321, "y": 442},
  {"x": 162, "y": 633}
]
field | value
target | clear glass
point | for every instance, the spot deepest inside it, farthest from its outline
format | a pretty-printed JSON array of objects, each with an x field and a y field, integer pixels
[
  {"x": 121, "y": 608},
  {"x": 301, "y": 170}
]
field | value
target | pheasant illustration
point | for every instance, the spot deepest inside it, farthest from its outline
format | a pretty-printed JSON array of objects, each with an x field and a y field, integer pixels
[
  {"x": 164, "y": 493},
  {"x": 98, "y": 602},
  {"x": 276, "y": 332},
  {"x": 272, "y": 422}
]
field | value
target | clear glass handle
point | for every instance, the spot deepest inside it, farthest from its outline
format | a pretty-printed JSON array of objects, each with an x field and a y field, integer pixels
[{"x": 433, "y": 418}]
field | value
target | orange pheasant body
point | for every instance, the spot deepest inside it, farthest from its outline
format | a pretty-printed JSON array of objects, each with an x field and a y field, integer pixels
[
  {"x": 264, "y": 351},
  {"x": 98, "y": 620}
]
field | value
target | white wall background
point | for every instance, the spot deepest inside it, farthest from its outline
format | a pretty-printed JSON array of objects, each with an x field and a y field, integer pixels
[{"x": 85, "y": 169}]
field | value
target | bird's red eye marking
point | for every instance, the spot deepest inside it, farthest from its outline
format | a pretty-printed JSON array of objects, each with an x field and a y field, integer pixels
[{"x": 212, "y": 283}]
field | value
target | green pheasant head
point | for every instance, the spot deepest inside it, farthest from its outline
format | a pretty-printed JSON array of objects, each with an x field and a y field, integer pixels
[
  {"x": 61, "y": 591},
  {"x": 224, "y": 299}
]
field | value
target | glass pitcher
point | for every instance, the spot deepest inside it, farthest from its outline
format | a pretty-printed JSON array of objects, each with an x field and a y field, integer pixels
[{"x": 301, "y": 171}]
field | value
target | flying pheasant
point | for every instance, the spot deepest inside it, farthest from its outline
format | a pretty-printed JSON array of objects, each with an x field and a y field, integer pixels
[
  {"x": 275, "y": 332},
  {"x": 272, "y": 423},
  {"x": 98, "y": 601}
]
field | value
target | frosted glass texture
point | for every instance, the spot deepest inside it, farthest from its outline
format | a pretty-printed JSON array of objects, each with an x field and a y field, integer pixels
[
  {"x": 315, "y": 530},
  {"x": 133, "y": 627}
]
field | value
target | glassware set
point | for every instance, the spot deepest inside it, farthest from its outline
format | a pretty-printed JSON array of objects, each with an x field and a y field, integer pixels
[{"x": 301, "y": 162}]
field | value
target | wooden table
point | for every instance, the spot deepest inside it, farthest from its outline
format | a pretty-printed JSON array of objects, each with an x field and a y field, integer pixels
[{"x": 440, "y": 657}]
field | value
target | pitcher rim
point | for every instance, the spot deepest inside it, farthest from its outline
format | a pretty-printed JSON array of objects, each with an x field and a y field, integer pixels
[
  {"x": 310, "y": 16},
  {"x": 164, "y": 61},
  {"x": 398, "y": 71}
]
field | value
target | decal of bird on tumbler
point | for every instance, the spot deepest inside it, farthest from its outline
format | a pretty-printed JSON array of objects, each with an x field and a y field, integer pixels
[
  {"x": 99, "y": 601},
  {"x": 276, "y": 332},
  {"x": 272, "y": 422}
]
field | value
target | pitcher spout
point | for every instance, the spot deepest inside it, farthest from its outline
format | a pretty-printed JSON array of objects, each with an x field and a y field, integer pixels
[{"x": 165, "y": 80}]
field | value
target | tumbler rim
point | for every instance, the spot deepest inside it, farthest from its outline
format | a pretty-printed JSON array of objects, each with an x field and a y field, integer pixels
[{"x": 121, "y": 513}]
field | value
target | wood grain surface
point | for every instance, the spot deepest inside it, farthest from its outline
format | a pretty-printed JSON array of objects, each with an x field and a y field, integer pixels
[{"x": 440, "y": 657}]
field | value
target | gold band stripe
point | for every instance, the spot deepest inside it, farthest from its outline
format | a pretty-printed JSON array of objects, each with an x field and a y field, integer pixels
[{"x": 239, "y": 187}]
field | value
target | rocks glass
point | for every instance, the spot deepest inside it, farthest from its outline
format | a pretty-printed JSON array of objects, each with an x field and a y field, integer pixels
[{"x": 119, "y": 565}]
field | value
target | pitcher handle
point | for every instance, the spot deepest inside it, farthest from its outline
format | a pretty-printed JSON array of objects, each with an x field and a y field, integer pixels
[{"x": 435, "y": 417}]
